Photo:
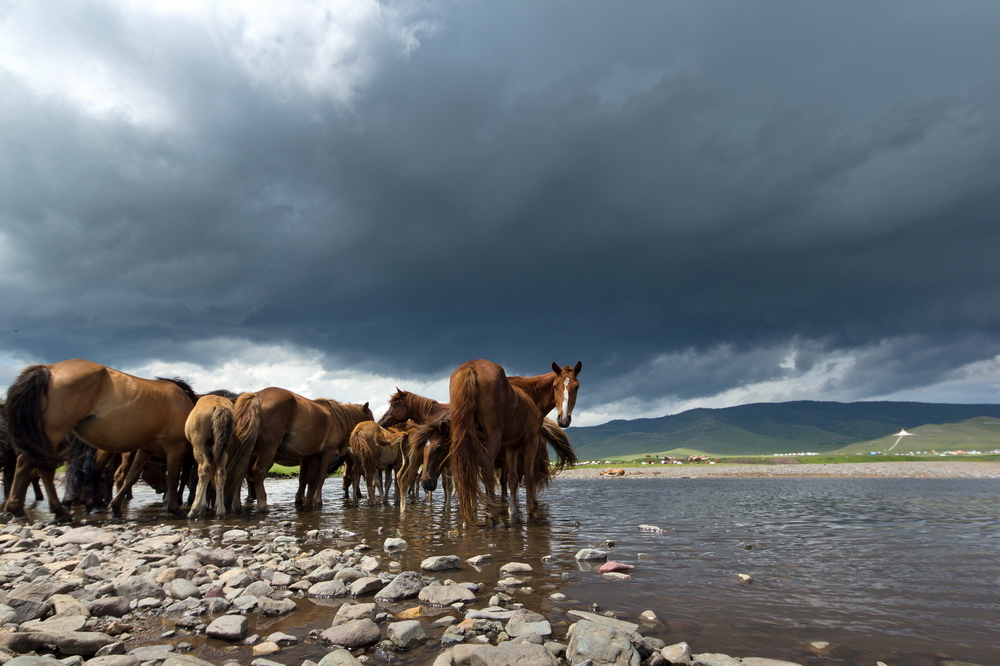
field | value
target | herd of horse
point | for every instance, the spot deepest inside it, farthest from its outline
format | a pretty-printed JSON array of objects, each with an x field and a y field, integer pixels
[{"x": 112, "y": 427}]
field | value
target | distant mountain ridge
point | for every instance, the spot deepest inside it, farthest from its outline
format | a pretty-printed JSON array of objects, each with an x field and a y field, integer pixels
[{"x": 764, "y": 428}]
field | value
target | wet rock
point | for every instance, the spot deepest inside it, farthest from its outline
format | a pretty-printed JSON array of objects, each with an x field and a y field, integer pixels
[
  {"x": 394, "y": 543},
  {"x": 274, "y": 607},
  {"x": 762, "y": 661},
  {"x": 616, "y": 575},
  {"x": 591, "y": 554},
  {"x": 602, "y": 644},
  {"x": 32, "y": 660},
  {"x": 339, "y": 657},
  {"x": 441, "y": 563},
  {"x": 267, "y": 647},
  {"x": 84, "y": 643},
  {"x": 349, "y": 612},
  {"x": 280, "y": 579},
  {"x": 611, "y": 565},
  {"x": 353, "y": 634},
  {"x": 41, "y": 589},
  {"x": 445, "y": 595},
  {"x": 744, "y": 578},
  {"x": 511, "y": 653},
  {"x": 526, "y": 623},
  {"x": 406, "y": 635},
  {"x": 715, "y": 659},
  {"x": 650, "y": 528},
  {"x": 111, "y": 649},
  {"x": 258, "y": 589},
  {"x": 220, "y": 557},
  {"x": 172, "y": 573},
  {"x": 366, "y": 585},
  {"x": 235, "y": 535},
  {"x": 68, "y": 623},
  {"x": 516, "y": 568},
  {"x": 236, "y": 578},
  {"x": 228, "y": 628},
  {"x": 405, "y": 585},
  {"x": 370, "y": 564},
  {"x": 348, "y": 575},
  {"x": 620, "y": 625},
  {"x": 329, "y": 588},
  {"x": 113, "y": 660},
  {"x": 185, "y": 660}
]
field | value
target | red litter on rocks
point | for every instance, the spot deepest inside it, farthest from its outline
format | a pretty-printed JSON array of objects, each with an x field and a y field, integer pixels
[{"x": 614, "y": 566}]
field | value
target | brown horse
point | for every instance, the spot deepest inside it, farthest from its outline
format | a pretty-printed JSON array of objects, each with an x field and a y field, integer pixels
[
  {"x": 405, "y": 406},
  {"x": 379, "y": 452},
  {"x": 222, "y": 458},
  {"x": 490, "y": 413},
  {"x": 280, "y": 426},
  {"x": 109, "y": 410}
]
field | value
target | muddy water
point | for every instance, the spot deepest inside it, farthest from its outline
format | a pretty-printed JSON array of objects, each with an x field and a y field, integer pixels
[{"x": 891, "y": 570}]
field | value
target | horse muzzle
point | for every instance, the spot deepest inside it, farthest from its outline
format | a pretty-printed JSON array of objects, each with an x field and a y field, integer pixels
[
  {"x": 564, "y": 420},
  {"x": 430, "y": 485}
]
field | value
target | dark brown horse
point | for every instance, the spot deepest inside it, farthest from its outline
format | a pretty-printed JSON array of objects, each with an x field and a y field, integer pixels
[
  {"x": 405, "y": 406},
  {"x": 283, "y": 427},
  {"x": 109, "y": 410},
  {"x": 491, "y": 413}
]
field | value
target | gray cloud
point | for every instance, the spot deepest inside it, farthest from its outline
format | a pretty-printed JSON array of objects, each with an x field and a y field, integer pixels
[{"x": 526, "y": 183}]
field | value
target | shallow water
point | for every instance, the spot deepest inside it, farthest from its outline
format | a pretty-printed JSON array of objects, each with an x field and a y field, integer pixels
[{"x": 894, "y": 570}]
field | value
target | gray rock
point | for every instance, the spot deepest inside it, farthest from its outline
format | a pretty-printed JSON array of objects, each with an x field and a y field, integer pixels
[
  {"x": 762, "y": 661},
  {"x": 366, "y": 585},
  {"x": 591, "y": 554},
  {"x": 353, "y": 634},
  {"x": 516, "y": 629},
  {"x": 173, "y": 573},
  {"x": 602, "y": 644},
  {"x": 84, "y": 643},
  {"x": 348, "y": 575},
  {"x": 441, "y": 563},
  {"x": 138, "y": 587},
  {"x": 516, "y": 568},
  {"x": 41, "y": 589},
  {"x": 85, "y": 534},
  {"x": 228, "y": 628},
  {"x": 235, "y": 578},
  {"x": 113, "y": 660},
  {"x": 281, "y": 579},
  {"x": 29, "y": 610},
  {"x": 258, "y": 589},
  {"x": 328, "y": 588},
  {"x": 407, "y": 634},
  {"x": 274, "y": 607},
  {"x": 406, "y": 585},
  {"x": 621, "y": 625},
  {"x": 511, "y": 654},
  {"x": 356, "y": 612},
  {"x": 678, "y": 654},
  {"x": 185, "y": 660},
  {"x": 66, "y": 623},
  {"x": 235, "y": 535},
  {"x": 445, "y": 595},
  {"x": 181, "y": 588},
  {"x": 63, "y": 604},
  {"x": 339, "y": 657},
  {"x": 394, "y": 543},
  {"x": 715, "y": 659},
  {"x": 220, "y": 557},
  {"x": 109, "y": 606},
  {"x": 31, "y": 660}
]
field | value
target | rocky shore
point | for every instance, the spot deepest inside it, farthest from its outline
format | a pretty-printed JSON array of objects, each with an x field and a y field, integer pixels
[
  {"x": 895, "y": 469},
  {"x": 126, "y": 595}
]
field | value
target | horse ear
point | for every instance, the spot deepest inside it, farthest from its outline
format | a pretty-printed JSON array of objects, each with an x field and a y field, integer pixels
[
  {"x": 578, "y": 368},
  {"x": 366, "y": 406},
  {"x": 555, "y": 368}
]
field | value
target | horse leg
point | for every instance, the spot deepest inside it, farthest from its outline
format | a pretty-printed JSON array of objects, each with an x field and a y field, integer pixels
[
  {"x": 220, "y": 485},
  {"x": 38, "y": 490},
  {"x": 138, "y": 462},
  {"x": 258, "y": 473},
  {"x": 175, "y": 464},
  {"x": 19, "y": 488},
  {"x": 448, "y": 486},
  {"x": 55, "y": 506},
  {"x": 513, "y": 476},
  {"x": 305, "y": 468},
  {"x": 205, "y": 472}
]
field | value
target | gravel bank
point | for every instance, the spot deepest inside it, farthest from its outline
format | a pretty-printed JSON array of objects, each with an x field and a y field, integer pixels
[{"x": 901, "y": 469}]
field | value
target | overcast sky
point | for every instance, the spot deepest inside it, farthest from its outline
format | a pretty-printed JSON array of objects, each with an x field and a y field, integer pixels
[{"x": 708, "y": 203}]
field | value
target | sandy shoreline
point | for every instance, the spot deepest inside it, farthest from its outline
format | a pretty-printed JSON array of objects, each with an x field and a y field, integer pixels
[{"x": 895, "y": 469}]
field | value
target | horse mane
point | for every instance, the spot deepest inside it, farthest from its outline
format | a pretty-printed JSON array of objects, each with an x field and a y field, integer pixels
[
  {"x": 225, "y": 393},
  {"x": 182, "y": 385},
  {"x": 419, "y": 403},
  {"x": 347, "y": 414}
]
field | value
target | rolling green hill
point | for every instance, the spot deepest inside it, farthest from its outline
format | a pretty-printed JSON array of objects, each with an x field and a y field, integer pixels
[
  {"x": 980, "y": 434},
  {"x": 765, "y": 428}
]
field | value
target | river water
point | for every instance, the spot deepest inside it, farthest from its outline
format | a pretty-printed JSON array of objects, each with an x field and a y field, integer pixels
[{"x": 894, "y": 570}]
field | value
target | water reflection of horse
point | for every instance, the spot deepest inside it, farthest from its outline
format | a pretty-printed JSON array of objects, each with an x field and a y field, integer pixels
[
  {"x": 491, "y": 413},
  {"x": 283, "y": 427},
  {"x": 110, "y": 410}
]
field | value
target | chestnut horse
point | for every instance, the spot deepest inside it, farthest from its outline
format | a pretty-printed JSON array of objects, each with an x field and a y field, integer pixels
[
  {"x": 379, "y": 451},
  {"x": 222, "y": 458},
  {"x": 491, "y": 413},
  {"x": 280, "y": 426},
  {"x": 109, "y": 410}
]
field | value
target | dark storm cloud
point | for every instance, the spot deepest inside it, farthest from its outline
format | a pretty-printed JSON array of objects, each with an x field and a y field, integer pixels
[{"x": 678, "y": 194}]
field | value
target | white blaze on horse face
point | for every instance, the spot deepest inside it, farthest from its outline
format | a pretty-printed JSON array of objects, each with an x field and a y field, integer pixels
[{"x": 565, "y": 403}]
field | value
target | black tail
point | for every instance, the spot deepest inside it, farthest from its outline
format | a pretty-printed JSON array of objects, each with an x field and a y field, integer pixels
[{"x": 23, "y": 413}]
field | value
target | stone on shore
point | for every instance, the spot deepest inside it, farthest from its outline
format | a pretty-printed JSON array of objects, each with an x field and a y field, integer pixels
[
  {"x": 339, "y": 657},
  {"x": 109, "y": 606},
  {"x": 138, "y": 587},
  {"x": 441, "y": 563},
  {"x": 602, "y": 644},
  {"x": 405, "y": 585},
  {"x": 274, "y": 607},
  {"x": 406, "y": 634},
  {"x": 228, "y": 628},
  {"x": 85, "y": 535},
  {"x": 763, "y": 661},
  {"x": 353, "y": 634},
  {"x": 621, "y": 625},
  {"x": 678, "y": 654},
  {"x": 516, "y": 568},
  {"x": 446, "y": 595},
  {"x": 715, "y": 659},
  {"x": 514, "y": 654}
]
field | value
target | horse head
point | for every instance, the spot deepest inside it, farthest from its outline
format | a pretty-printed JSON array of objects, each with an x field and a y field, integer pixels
[
  {"x": 565, "y": 386},
  {"x": 435, "y": 451},
  {"x": 398, "y": 410}
]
